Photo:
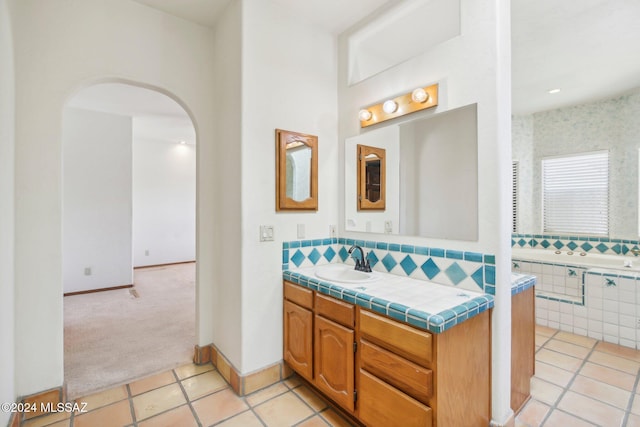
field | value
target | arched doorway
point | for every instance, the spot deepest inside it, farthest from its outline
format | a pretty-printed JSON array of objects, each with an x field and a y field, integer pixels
[{"x": 128, "y": 235}]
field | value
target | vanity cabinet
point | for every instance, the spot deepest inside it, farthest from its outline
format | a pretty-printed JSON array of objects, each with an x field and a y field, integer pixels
[
  {"x": 298, "y": 329},
  {"x": 334, "y": 355},
  {"x": 523, "y": 347},
  {"x": 387, "y": 373}
]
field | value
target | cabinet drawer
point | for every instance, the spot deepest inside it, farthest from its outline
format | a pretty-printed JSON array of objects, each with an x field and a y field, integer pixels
[
  {"x": 338, "y": 311},
  {"x": 410, "y": 378},
  {"x": 382, "y": 405},
  {"x": 301, "y": 296},
  {"x": 401, "y": 339}
]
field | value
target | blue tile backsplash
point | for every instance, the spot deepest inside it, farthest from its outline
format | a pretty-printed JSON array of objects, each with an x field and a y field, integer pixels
[
  {"x": 601, "y": 245},
  {"x": 466, "y": 270}
]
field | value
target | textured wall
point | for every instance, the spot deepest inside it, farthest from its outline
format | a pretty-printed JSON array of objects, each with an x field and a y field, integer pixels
[{"x": 609, "y": 124}]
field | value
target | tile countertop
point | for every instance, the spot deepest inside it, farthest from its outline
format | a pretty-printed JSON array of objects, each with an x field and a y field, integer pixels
[{"x": 420, "y": 303}]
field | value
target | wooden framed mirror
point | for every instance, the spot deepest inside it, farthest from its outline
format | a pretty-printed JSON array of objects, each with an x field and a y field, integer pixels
[
  {"x": 371, "y": 178},
  {"x": 296, "y": 171}
]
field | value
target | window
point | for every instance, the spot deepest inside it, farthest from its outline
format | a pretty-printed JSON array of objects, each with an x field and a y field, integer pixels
[
  {"x": 575, "y": 193},
  {"x": 514, "y": 196}
]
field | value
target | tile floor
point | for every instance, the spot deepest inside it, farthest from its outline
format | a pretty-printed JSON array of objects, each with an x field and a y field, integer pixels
[
  {"x": 579, "y": 382},
  {"x": 192, "y": 396}
]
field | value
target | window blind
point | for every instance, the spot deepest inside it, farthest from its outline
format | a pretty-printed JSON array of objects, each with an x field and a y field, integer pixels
[
  {"x": 514, "y": 197},
  {"x": 575, "y": 193}
]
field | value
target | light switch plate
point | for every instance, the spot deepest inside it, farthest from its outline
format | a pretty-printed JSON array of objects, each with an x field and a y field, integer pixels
[
  {"x": 266, "y": 233},
  {"x": 301, "y": 232}
]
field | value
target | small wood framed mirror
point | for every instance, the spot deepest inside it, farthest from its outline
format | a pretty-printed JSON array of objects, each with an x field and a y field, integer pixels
[
  {"x": 371, "y": 178},
  {"x": 296, "y": 171}
]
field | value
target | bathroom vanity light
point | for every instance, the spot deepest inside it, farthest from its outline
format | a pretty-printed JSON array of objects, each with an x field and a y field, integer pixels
[
  {"x": 183, "y": 142},
  {"x": 419, "y": 95},
  {"x": 416, "y": 100},
  {"x": 364, "y": 115},
  {"x": 389, "y": 106}
]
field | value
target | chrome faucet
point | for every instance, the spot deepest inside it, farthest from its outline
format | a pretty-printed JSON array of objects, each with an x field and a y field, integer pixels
[
  {"x": 362, "y": 264},
  {"x": 635, "y": 251}
]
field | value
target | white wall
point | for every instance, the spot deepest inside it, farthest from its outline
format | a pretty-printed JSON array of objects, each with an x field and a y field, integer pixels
[
  {"x": 7, "y": 111},
  {"x": 164, "y": 202},
  {"x": 471, "y": 68},
  {"x": 60, "y": 47},
  {"x": 288, "y": 82},
  {"x": 96, "y": 219},
  {"x": 223, "y": 304}
]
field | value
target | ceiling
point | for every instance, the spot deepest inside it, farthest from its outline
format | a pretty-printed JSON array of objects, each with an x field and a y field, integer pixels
[
  {"x": 156, "y": 116},
  {"x": 334, "y": 16},
  {"x": 586, "y": 48}
]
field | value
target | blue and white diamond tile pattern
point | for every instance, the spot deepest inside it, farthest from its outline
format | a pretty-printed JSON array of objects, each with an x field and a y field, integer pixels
[
  {"x": 600, "y": 245},
  {"x": 307, "y": 253},
  {"x": 422, "y": 304},
  {"x": 465, "y": 270}
]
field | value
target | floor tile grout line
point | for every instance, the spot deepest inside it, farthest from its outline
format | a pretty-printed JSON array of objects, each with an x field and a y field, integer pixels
[
  {"x": 186, "y": 396},
  {"x": 545, "y": 341},
  {"x": 270, "y": 398},
  {"x": 565, "y": 389},
  {"x": 627, "y": 413},
  {"x": 132, "y": 409}
]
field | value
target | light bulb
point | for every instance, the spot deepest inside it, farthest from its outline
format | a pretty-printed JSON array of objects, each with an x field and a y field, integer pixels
[
  {"x": 419, "y": 95},
  {"x": 389, "y": 106},
  {"x": 364, "y": 115}
]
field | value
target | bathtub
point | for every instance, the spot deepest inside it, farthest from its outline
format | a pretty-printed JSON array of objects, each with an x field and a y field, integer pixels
[{"x": 594, "y": 295}]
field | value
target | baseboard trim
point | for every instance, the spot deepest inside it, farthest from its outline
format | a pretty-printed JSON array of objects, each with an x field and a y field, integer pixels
[
  {"x": 246, "y": 384},
  {"x": 510, "y": 422},
  {"x": 48, "y": 399},
  {"x": 93, "y": 291},
  {"x": 164, "y": 265}
]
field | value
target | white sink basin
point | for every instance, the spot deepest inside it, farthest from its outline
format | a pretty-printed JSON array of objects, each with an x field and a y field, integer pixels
[{"x": 344, "y": 274}]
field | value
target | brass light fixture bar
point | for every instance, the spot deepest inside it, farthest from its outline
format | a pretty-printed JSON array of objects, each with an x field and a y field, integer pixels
[{"x": 419, "y": 99}]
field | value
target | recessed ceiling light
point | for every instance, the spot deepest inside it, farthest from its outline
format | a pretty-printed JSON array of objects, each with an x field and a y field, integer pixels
[{"x": 552, "y": 91}]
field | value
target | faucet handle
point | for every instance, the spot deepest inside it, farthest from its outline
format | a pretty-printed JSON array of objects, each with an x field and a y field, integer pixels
[{"x": 366, "y": 267}]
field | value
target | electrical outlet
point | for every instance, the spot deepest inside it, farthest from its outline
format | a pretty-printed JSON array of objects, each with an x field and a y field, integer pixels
[
  {"x": 146, "y": 252},
  {"x": 332, "y": 231},
  {"x": 87, "y": 271},
  {"x": 301, "y": 232}
]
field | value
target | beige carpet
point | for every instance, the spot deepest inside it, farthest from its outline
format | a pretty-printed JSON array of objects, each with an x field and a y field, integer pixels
[{"x": 112, "y": 337}]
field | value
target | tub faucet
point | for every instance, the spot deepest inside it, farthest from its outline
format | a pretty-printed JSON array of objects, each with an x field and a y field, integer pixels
[
  {"x": 362, "y": 264},
  {"x": 635, "y": 251}
]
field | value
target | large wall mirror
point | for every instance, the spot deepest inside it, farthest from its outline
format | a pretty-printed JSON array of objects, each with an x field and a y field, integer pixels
[
  {"x": 431, "y": 177},
  {"x": 296, "y": 171}
]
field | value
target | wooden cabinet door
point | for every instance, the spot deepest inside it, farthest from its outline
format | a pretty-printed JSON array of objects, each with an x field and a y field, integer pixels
[
  {"x": 334, "y": 361},
  {"x": 298, "y": 339}
]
